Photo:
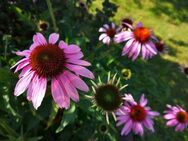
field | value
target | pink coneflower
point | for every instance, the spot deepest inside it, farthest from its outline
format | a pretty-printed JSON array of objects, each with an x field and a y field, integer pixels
[
  {"x": 108, "y": 33},
  {"x": 138, "y": 40},
  {"x": 135, "y": 116},
  {"x": 176, "y": 116},
  {"x": 60, "y": 63}
]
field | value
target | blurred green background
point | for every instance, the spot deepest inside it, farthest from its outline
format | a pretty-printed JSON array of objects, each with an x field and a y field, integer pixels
[{"x": 78, "y": 22}]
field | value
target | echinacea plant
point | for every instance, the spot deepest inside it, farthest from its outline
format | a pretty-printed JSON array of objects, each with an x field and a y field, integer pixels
[
  {"x": 139, "y": 40},
  {"x": 108, "y": 33},
  {"x": 107, "y": 96},
  {"x": 176, "y": 116},
  {"x": 135, "y": 116},
  {"x": 61, "y": 63}
]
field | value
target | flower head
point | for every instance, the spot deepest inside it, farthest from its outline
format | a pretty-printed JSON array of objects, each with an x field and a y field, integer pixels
[
  {"x": 107, "y": 96},
  {"x": 135, "y": 116},
  {"x": 177, "y": 117},
  {"x": 138, "y": 40},
  {"x": 108, "y": 33},
  {"x": 126, "y": 73},
  {"x": 43, "y": 25},
  {"x": 60, "y": 63}
]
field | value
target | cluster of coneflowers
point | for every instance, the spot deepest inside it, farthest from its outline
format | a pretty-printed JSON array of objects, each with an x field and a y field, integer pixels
[{"x": 62, "y": 66}]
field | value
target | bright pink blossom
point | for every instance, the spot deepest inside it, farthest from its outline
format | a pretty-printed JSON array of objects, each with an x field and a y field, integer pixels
[
  {"x": 60, "y": 63},
  {"x": 177, "y": 117},
  {"x": 135, "y": 116},
  {"x": 139, "y": 40}
]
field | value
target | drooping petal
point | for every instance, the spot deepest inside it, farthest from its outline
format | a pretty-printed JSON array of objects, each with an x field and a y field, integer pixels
[
  {"x": 150, "y": 48},
  {"x": 148, "y": 123},
  {"x": 70, "y": 89},
  {"x": 79, "y": 70},
  {"x": 38, "y": 91},
  {"x": 172, "y": 122},
  {"x": 122, "y": 120},
  {"x": 180, "y": 127},
  {"x": 77, "y": 81},
  {"x": 127, "y": 46},
  {"x": 106, "y": 40},
  {"x": 137, "y": 52},
  {"x": 102, "y": 36},
  {"x": 143, "y": 51},
  {"x": 22, "y": 60},
  {"x": 53, "y": 38},
  {"x": 26, "y": 70},
  {"x": 127, "y": 128},
  {"x": 22, "y": 65},
  {"x": 123, "y": 36},
  {"x": 59, "y": 94},
  {"x": 23, "y": 84},
  {"x": 138, "y": 129}
]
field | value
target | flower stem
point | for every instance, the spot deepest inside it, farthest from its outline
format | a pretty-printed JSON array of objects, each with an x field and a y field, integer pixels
[{"x": 49, "y": 4}]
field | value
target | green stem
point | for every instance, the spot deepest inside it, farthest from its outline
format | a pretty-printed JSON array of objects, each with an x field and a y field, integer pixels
[{"x": 49, "y": 4}]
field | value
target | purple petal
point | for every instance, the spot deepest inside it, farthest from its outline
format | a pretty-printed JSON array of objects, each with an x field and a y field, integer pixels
[
  {"x": 169, "y": 116},
  {"x": 106, "y": 40},
  {"x": 127, "y": 128},
  {"x": 40, "y": 39},
  {"x": 59, "y": 94},
  {"x": 102, "y": 36},
  {"x": 38, "y": 91},
  {"x": 22, "y": 60},
  {"x": 137, "y": 52},
  {"x": 77, "y": 82},
  {"x": 25, "y": 53},
  {"x": 139, "y": 24},
  {"x": 127, "y": 46},
  {"x": 143, "y": 100},
  {"x": 172, "y": 122},
  {"x": 78, "y": 62},
  {"x": 180, "y": 127},
  {"x": 23, "y": 84},
  {"x": 150, "y": 47},
  {"x": 72, "y": 49},
  {"x": 70, "y": 89},
  {"x": 74, "y": 56},
  {"x": 62, "y": 44},
  {"x": 53, "y": 38},
  {"x": 79, "y": 70},
  {"x": 148, "y": 123},
  {"x": 22, "y": 65},
  {"x": 123, "y": 36}
]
